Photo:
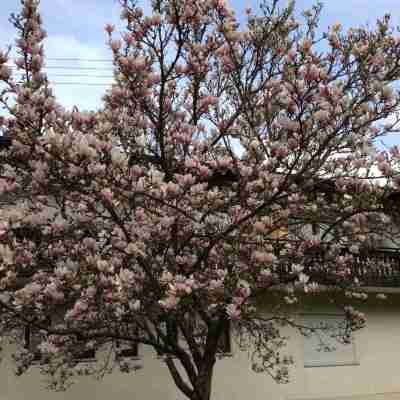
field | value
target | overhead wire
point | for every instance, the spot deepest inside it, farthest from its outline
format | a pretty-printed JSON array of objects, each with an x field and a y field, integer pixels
[
  {"x": 80, "y": 83},
  {"x": 78, "y": 69},
  {"x": 82, "y": 76},
  {"x": 70, "y": 67},
  {"x": 73, "y": 59},
  {"x": 80, "y": 59}
]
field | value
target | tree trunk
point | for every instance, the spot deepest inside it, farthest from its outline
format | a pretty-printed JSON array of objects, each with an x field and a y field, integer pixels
[{"x": 204, "y": 383}]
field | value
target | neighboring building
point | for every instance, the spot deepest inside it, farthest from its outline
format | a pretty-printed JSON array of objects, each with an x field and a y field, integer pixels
[{"x": 365, "y": 369}]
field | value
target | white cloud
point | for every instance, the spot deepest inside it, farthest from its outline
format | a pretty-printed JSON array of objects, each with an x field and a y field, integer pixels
[
  {"x": 87, "y": 95},
  {"x": 69, "y": 47}
]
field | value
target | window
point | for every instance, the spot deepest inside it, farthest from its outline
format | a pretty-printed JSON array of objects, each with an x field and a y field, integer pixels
[
  {"x": 126, "y": 349},
  {"x": 325, "y": 347},
  {"x": 225, "y": 346},
  {"x": 315, "y": 228},
  {"x": 169, "y": 329},
  {"x": 85, "y": 355},
  {"x": 33, "y": 338}
]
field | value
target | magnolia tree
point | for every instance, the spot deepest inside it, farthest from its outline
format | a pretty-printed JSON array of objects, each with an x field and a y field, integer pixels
[{"x": 166, "y": 215}]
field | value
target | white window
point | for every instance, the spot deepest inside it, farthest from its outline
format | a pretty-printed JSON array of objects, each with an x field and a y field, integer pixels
[{"x": 327, "y": 345}]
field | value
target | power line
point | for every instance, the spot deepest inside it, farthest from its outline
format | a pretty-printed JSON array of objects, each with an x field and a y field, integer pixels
[
  {"x": 74, "y": 68},
  {"x": 79, "y": 59},
  {"x": 81, "y": 76},
  {"x": 73, "y": 83},
  {"x": 80, "y": 83},
  {"x": 74, "y": 59}
]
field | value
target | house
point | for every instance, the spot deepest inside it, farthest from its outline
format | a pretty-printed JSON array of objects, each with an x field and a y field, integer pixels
[{"x": 365, "y": 368}]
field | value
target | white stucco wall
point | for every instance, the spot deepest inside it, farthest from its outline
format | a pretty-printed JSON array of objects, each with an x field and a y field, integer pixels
[{"x": 375, "y": 378}]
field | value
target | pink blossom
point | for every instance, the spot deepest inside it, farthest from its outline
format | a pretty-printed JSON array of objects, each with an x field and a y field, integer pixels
[
  {"x": 54, "y": 292},
  {"x": 5, "y": 73},
  {"x": 127, "y": 276},
  {"x": 215, "y": 284},
  {"x": 109, "y": 28},
  {"x": 259, "y": 227},
  {"x": 166, "y": 277},
  {"x": 48, "y": 348},
  {"x": 139, "y": 64},
  {"x": 322, "y": 115},
  {"x": 33, "y": 289},
  {"x": 91, "y": 291},
  {"x": 115, "y": 45},
  {"x": 233, "y": 311},
  {"x": 385, "y": 168},
  {"x": 79, "y": 308},
  {"x": 263, "y": 257},
  {"x": 135, "y": 305},
  {"x": 191, "y": 190},
  {"x": 156, "y": 19},
  {"x": 303, "y": 278},
  {"x": 107, "y": 195},
  {"x": 169, "y": 303}
]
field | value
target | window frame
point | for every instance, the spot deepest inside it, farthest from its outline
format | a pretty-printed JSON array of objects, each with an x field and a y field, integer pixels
[
  {"x": 86, "y": 356},
  {"x": 165, "y": 326},
  {"x": 225, "y": 341},
  {"x": 31, "y": 347},
  {"x": 318, "y": 363},
  {"x": 127, "y": 350}
]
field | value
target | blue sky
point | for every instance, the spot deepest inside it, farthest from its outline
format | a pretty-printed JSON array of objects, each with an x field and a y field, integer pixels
[{"x": 75, "y": 29}]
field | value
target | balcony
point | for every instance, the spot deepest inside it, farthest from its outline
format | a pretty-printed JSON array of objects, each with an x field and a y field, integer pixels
[{"x": 379, "y": 268}]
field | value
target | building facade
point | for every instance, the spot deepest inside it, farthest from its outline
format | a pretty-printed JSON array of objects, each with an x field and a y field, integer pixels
[{"x": 366, "y": 369}]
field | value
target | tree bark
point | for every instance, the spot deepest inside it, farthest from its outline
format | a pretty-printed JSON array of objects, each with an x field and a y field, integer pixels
[
  {"x": 204, "y": 382},
  {"x": 201, "y": 390}
]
